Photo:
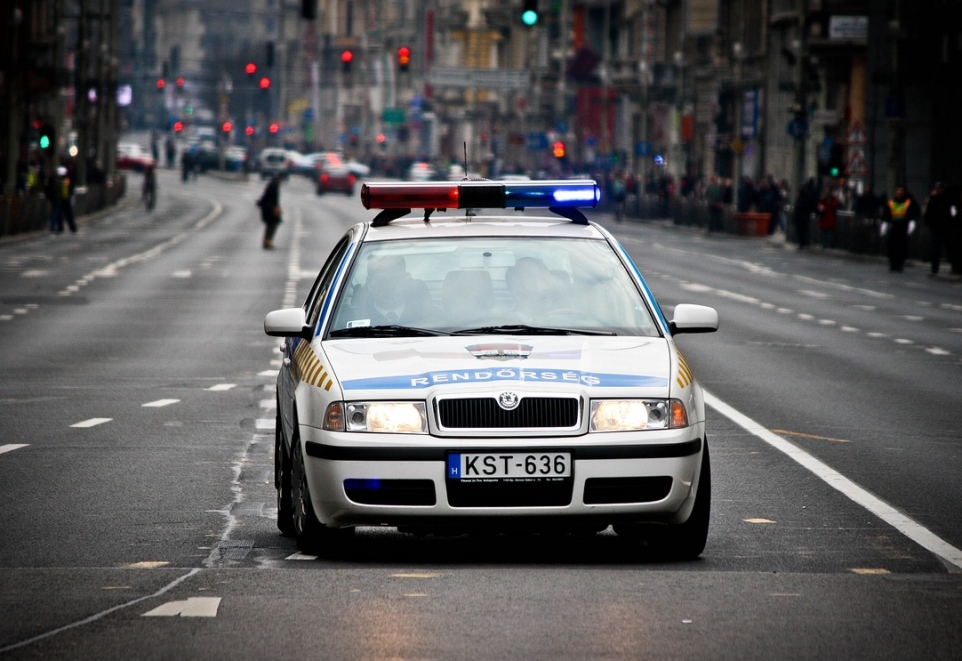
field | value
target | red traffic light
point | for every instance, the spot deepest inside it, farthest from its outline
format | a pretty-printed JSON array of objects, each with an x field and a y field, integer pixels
[
  {"x": 249, "y": 131},
  {"x": 161, "y": 84},
  {"x": 265, "y": 83},
  {"x": 347, "y": 57},
  {"x": 558, "y": 149},
  {"x": 404, "y": 56},
  {"x": 180, "y": 81},
  {"x": 380, "y": 138},
  {"x": 274, "y": 128},
  {"x": 178, "y": 126},
  {"x": 226, "y": 127},
  {"x": 250, "y": 69}
]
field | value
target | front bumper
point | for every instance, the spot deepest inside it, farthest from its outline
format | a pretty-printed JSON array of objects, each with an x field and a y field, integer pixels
[{"x": 651, "y": 478}]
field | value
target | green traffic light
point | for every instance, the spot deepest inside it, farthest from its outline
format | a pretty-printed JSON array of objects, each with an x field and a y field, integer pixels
[
  {"x": 529, "y": 17},
  {"x": 44, "y": 141},
  {"x": 834, "y": 172}
]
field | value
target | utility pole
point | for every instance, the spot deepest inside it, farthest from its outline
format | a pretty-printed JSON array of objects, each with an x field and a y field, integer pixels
[
  {"x": 896, "y": 107},
  {"x": 801, "y": 98}
]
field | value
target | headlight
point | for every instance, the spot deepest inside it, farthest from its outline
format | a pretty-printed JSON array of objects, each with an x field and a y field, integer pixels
[
  {"x": 380, "y": 417},
  {"x": 636, "y": 414}
]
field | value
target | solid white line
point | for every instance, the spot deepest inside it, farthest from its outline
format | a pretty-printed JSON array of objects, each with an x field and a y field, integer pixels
[
  {"x": 159, "y": 403},
  {"x": 93, "y": 422},
  {"x": 911, "y": 529},
  {"x": 222, "y": 386},
  {"x": 10, "y": 447}
]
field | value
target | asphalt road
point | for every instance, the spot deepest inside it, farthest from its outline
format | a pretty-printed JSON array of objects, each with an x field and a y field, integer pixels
[{"x": 136, "y": 431}]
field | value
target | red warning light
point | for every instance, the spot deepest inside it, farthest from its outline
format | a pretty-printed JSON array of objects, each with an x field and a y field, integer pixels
[
  {"x": 274, "y": 128},
  {"x": 249, "y": 131},
  {"x": 250, "y": 69}
]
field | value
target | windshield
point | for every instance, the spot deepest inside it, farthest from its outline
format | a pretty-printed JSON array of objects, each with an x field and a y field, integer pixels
[{"x": 495, "y": 284}]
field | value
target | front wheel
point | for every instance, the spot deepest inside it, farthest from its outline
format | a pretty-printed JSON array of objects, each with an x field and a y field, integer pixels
[
  {"x": 282, "y": 482},
  {"x": 684, "y": 541},
  {"x": 312, "y": 536}
]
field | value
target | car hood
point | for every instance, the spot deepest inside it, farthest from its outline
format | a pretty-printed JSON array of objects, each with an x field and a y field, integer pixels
[{"x": 413, "y": 367}]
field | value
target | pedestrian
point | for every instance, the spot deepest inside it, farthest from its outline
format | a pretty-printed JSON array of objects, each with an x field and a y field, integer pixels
[
  {"x": 66, "y": 200},
  {"x": 716, "y": 205},
  {"x": 805, "y": 204},
  {"x": 171, "y": 152},
  {"x": 270, "y": 204},
  {"x": 954, "y": 234},
  {"x": 900, "y": 216},
  {"x": 938, "y": 216},
  {"x": 827, "y": 218}
]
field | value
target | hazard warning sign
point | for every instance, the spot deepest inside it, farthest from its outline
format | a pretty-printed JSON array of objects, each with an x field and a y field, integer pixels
[
  {"x": 856, "y": 134},
  {"x": 857, "y": 165}
]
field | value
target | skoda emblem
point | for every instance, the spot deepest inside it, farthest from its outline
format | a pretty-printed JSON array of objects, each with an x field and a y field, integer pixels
[{"x": 508, "y": 401}]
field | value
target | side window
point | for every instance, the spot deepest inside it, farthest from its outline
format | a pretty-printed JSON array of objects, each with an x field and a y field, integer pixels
[{"x": 315, "y": 300}]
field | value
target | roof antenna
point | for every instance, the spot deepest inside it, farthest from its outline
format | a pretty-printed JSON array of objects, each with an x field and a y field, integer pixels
[{"x": 465, "y": 159}]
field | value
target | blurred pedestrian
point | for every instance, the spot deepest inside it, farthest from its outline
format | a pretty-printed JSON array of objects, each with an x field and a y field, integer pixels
[
  {"x": 939, "y": 213},
  {"x": 900, "y": 216},
  {"x": 270, "y": 204},
  {"x": 716, "y": 205},
  {"x": 827, "y": 218},
  {"x": 805, "y": 204}
]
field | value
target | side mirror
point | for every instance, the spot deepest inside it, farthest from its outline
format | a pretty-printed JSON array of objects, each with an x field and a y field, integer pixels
[
  {"x": 694, "y": 319},
  {"x": 290, "y": 322}
]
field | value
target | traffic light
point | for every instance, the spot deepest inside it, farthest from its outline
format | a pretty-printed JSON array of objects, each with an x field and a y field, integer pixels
[
  {"x": 179, "y": 82},
  {"x": 346, "y": 58},
  {"x": 250, "y": 68},
  {"x": 309, "y": 9},
  {"x": 529, "y": 13},
  {"x": 403, "y": 58},
  {"x": 178, "y": 126},
  {"x": 836, "y": 160},
  {"x": 249, "y": 131},
  {"x": 274, "y": 128},
  {"x": 161, "y": 84},
  {"x": 558, "y": 149},
  {"x": 46, "y": 138},
  {"x": 265, "y": 83},
  {"x": 226, "y": 127}
]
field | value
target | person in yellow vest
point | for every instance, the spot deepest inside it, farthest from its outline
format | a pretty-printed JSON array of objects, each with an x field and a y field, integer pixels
[{"x": 901, "y": 213}]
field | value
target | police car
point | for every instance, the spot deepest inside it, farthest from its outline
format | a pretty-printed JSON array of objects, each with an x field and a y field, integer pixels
[{"x": 457, "y": 371}]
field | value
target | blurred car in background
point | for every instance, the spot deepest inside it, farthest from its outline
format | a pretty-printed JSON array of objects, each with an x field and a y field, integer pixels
[
  {"x": 421, "y": 171},
  {"x": 274, "y": 161},
  {"x": 132, "y": 156},
  {"x": 335, "y": 177},
  {"x": 301, "y": 164}
]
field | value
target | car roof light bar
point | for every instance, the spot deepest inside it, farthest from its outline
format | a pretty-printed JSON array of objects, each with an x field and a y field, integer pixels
[{"x": 481, "y": 194}]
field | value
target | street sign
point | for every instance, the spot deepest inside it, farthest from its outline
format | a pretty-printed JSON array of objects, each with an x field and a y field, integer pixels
[
  {"x": 487, "y": 78},
  {"x": 857, "y": 165},
  {"x": 535, "y": 141},
  {"x": 798, "y": 129},
  {"x": 856, "y": 134},
  {"x": 393, "y": 116}
]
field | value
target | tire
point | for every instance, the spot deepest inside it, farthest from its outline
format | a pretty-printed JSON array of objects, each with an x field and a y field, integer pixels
[
  {"x": 684, "y": 541},
  {"x": 282, "y": 482},
  {"x": 312, "y": 536}
]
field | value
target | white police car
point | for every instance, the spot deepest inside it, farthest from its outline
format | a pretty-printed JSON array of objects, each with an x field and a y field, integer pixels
[{"x": 455, "y": 371}]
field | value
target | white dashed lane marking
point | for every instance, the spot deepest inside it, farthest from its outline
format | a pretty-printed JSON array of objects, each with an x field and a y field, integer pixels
[
  {"x": 222, "y": 386},
  {"x": 264, "y": 423},
  {"x": 93, "y": 422},
  {"x": 192, "y": 607},
  {"x": 181, "y": 274},
  {"x": 159, "y": 403},
  {"x": 10, "y": 447}
]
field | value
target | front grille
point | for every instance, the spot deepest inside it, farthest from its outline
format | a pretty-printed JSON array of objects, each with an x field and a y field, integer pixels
[{"x": 485, "y": 413}]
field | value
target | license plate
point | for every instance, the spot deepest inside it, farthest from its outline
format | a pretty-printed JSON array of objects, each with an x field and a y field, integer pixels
[{"x": 508, "y": 466}]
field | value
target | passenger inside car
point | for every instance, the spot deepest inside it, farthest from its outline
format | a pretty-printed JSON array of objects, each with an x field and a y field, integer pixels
[{"x": 535, "y": 289}]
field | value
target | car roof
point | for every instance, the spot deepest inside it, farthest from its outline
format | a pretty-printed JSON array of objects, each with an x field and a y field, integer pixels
[{"x": 455, "y": 224}]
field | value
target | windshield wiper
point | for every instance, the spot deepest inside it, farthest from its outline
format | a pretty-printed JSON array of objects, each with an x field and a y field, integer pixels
[
  {"x": 524, "y": 329},
  {"x": 386, "y": 331}
]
